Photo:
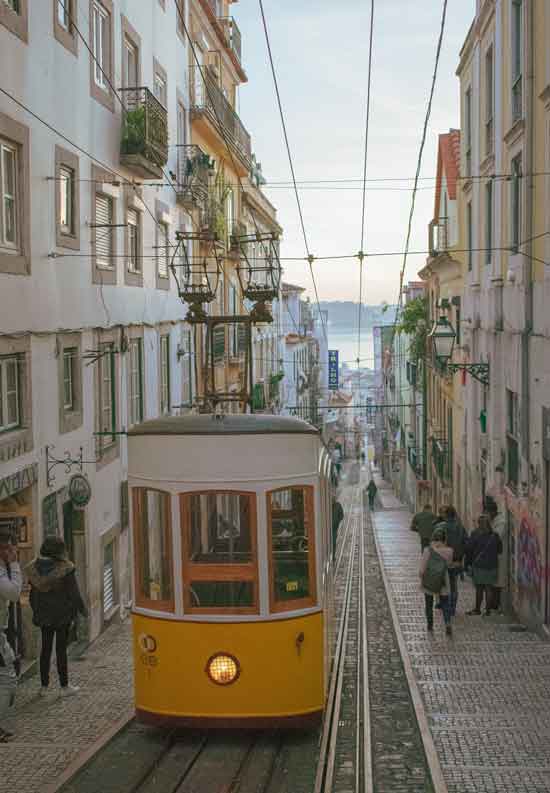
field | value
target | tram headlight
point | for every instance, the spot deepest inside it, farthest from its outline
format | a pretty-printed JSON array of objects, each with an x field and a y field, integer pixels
[{"x": 223, "y": 669}]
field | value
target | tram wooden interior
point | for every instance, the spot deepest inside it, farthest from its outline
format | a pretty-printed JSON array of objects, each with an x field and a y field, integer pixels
[{"x": 233, "y": 570}]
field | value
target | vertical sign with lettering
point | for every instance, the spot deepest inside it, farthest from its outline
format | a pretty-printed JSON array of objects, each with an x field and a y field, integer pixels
[{"x": 333, "y": 370}]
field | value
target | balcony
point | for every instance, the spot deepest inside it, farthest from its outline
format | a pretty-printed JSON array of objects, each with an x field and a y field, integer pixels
[
  {"x": 517, "y": 99},
  {"x": 194, "y": 169},
  {"x": 438, "y": 236},
  {"x": 213, "y": 220},
  {"x": 489, "y": 137},
  {"x": 144, "y": 133},
  {"x": 209, "y": 104},
  {"x": 232, "y": 36},
  {"x": 440, "y": 457}
]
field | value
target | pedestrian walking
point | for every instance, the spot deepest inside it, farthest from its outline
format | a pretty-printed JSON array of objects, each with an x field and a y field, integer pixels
[
  {"x": 11, "y": 583},
  {"x": 424, "y": 523},
  {"x": 456, "y": 539},
  {"x": 55, "y": 601},
  {"x": 498, "y": 525},
  {"x": 372, "y": 490},
  {"x": 483, "y": 550},
  {"x": 434, "y": 578},
  {"x": 337, "y": 518}
]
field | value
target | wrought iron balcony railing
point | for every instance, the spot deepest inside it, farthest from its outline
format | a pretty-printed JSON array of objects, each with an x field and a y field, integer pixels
[
  {"x": 232, "y": 36},
  {"x": 208, "y": 100},
  {"x": 439, "y": 236},
  {"x": 517, "y": 99},
  {"x": 144, "y": 134},
  {"x": 489, "y": 137},
  {"x": 194, "y": 170}
]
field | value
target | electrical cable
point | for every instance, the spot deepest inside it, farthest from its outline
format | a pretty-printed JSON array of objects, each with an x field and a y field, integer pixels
[
  {"x": 419, "y": 162},
  {"x": 310, "y": 257}
]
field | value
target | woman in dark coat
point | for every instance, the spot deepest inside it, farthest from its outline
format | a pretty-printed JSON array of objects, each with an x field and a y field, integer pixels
[
  {"x": 482, "y": 552},
  {"x": 55, "y": 601}
]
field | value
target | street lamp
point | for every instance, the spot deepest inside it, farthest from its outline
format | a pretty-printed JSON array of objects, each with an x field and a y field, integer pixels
[{"x": 443, "y": 337}]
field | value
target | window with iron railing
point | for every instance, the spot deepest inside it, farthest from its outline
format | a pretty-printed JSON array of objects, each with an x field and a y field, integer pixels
[
  {"x": 517, "y": 57},
  {"x": 489, "y": 102}
]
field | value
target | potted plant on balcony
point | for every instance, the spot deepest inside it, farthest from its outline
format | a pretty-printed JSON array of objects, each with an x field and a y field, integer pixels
[{"x": 133, "y": 131}]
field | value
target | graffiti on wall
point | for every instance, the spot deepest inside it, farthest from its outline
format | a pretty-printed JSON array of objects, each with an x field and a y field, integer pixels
[{"x": 529, "y": 562}]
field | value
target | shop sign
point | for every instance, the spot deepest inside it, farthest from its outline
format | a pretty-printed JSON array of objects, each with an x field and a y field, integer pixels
[
  {"x": 18, "y": 481},
  {"x": 80, "y": 491},
  {"x": 333, "y": 370}
]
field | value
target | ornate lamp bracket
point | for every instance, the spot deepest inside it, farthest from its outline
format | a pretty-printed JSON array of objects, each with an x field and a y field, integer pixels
[{"x": 479, "y": 371}]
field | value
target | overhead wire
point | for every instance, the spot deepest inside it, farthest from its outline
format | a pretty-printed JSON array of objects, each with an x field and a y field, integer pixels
[
  {"x": 419, "y": 160},
  {"x": 310, "y": 258}
]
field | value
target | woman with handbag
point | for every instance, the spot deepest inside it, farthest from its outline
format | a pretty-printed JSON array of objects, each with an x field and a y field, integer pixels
[
  {"x": 483, "y": 549},
  {"x": 434, "y": 578}
]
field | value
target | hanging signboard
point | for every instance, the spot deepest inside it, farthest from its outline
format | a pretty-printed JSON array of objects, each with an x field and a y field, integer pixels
[
  {"x": 333, "y": 370},
  {"x": 80, "y": 491}
]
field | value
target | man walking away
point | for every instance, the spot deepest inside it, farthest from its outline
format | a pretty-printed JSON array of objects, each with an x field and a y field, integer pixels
[
  {"x": 337, "y": 518},
  {"x": 434, "y": 578},
  {"x": 423, "y": 523},
  {"x": 498, "y": 525},
  {"x": 456, "y": 539},
  {"x": 55, "y": 601},
  {"x": 483, "y": 552},
  {"x": 372, "y": 490},
  {"x": 10, "y": 589}
]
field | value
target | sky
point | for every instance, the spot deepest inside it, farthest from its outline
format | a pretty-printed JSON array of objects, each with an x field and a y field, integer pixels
[{"x": 320, "y": 49}]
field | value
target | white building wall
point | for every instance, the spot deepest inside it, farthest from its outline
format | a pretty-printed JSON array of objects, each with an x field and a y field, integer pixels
[{"x": 58, "y": 295}]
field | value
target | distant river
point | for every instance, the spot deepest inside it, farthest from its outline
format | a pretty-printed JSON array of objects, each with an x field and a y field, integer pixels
[{"x": 344, "y": 339}]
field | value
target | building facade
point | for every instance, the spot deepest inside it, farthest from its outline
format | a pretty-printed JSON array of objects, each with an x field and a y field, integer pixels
[
  {"x": 443, "y": 277},
  {"x": 128, "y": 154},
  {"x": 504, "y": 73}
]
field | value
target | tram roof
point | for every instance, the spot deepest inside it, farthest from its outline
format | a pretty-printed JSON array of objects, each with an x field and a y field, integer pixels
[{"x": 242, "y": 424}]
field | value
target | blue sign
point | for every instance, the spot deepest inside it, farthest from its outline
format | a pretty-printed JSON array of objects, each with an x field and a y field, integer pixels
[{"x": 333, "y": 370}]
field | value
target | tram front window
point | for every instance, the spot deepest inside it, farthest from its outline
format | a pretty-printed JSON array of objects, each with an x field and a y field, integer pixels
[
  {"x": 292, "y": 552},
  {"x": 153, "y": 541},
  {"x": 219, "y": 547},
  {"x": 220, "y": 529}
]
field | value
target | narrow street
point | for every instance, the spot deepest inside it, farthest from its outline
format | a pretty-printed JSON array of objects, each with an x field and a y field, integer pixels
[{"x": 467, "y": 712}]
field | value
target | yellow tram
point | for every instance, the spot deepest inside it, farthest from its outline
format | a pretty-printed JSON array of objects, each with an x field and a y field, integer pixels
[{"x": 232, "y": 613}]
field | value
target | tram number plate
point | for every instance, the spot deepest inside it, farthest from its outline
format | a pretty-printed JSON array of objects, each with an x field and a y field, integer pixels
[
  {"x": 291, "y": 586},
  {"x": 149, "y": 660}
]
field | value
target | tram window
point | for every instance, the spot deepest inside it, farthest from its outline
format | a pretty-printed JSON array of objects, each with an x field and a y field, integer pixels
[
  {"x": 219, "y": 552},
  {"x": 292, "y": 541},
  {"x": 220, "y": 529},
  {"x": 153, "y": 543},
  {"x": 221, "y": 594}
]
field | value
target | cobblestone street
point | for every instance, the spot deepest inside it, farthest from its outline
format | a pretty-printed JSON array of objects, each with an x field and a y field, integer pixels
[
  {"x": 486, "y": 690},
  {"x": 52, "y": 732}
]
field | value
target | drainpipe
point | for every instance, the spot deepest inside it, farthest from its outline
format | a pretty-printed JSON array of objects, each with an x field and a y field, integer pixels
[{"x": 528, "y": 262}]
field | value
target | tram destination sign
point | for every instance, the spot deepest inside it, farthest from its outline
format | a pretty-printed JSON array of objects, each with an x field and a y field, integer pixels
[{"x": 333, "y": 370}]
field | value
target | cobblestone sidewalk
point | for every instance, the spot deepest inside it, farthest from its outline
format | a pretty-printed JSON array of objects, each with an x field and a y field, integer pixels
[
  {"x": 52, "y": 732},
  {"x": 486, "y": 690}
]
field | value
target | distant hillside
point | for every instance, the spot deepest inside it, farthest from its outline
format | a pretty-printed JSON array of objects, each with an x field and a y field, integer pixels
[{"x": 345, "y": 312}]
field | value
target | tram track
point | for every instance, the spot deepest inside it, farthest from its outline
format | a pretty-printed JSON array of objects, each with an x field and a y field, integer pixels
[{"x": 345, "y": 755}]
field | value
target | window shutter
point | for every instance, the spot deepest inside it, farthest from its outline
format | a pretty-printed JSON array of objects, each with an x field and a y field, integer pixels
[
  {"x": 124, "y": 511},
  {"x": 242, "y": 338},
  {"x": 104, "y": 236},
  {"x": 218, "y": 342}
]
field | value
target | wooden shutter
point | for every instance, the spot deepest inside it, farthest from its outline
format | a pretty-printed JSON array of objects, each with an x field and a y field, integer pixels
[{"x": 104, "y": 236}]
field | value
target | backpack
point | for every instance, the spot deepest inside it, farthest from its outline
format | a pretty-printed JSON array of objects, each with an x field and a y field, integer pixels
[
  {"x": 456, "y": 540},
  {"x": 435, "y": 574}
]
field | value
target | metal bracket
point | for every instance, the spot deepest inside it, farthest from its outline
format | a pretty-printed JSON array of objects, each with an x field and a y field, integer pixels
[
  {"x": 67, "y": 460},
  {"x": 479, "y": 371}
]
